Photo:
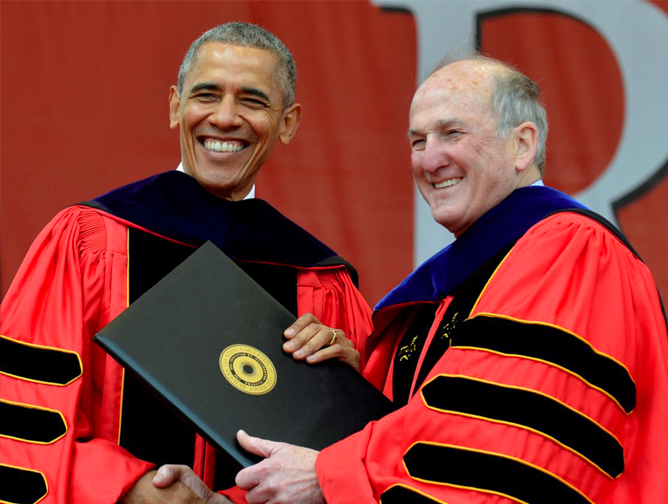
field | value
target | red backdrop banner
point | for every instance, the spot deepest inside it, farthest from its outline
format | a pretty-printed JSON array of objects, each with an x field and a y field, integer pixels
[{"x": 84, "y": 88}]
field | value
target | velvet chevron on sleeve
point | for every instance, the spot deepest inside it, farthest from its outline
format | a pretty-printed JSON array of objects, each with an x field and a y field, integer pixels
[{"x": 71, "y": 283}]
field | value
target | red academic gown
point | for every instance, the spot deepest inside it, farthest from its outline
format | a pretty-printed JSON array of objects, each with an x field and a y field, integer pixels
[
  {"x": 555, "y": 390},
  {"x": 63, "y": 394}
]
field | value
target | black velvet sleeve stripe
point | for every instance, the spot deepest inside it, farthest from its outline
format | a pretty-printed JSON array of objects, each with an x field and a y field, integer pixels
[
  {"x": 30, "y": 423},
  {"x": 21, "y": 486},
  {"x": 399, "y": 494},
  {"x": 488, "y": 472},
  {"x": 554, "y": 346},
  {"x": 531, "y": 410},
  {"x": 52, "y": 366}
]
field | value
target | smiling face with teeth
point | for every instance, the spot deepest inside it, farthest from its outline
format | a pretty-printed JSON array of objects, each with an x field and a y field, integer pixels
[
  {"x": 230, "y": 114},
  {"x": 461, "y": 167}
]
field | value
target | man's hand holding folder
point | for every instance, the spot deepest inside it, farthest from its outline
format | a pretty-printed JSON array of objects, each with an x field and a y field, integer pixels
[
  {"x": 311, "y": 341},
  {"x": 272, "y": 479}
]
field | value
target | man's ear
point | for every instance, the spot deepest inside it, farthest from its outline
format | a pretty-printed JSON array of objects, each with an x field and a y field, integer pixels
[
  {"x": 527, "y": 144},
  {"x": 292, "y": 116},
  {"x": 174, "y": 104}
]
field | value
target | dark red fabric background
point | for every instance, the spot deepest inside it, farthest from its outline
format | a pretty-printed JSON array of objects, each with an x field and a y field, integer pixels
[{"x": 84, "y": 88}]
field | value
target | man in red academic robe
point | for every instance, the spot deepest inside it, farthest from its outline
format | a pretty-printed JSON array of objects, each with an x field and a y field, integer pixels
[
  {"x": 75, "y": 428},
  {"x": 528, "y": 360}
]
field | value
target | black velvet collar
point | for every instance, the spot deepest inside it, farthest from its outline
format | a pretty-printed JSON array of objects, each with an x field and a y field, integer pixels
[
  {"x": 173, "y": 204},
  {"x": 499, "y": 228}
]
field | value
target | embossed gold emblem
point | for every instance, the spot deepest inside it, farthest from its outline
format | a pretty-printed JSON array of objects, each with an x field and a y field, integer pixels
[{"x": 248, "y": 369}]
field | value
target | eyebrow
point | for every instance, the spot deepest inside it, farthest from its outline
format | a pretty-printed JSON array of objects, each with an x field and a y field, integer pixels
[
  {"x": 439, "y": 124},
  {"x": 256, "y": 92},
  {"x": 209, "y": 86},
  {"x": 447, "y": 121}
]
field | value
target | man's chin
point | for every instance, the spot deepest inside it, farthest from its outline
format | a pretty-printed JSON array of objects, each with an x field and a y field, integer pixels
[
  {"x": 233, "y": 192},
  {"x": 224, "y": 181},
  {"x": 445, "y": 219}
]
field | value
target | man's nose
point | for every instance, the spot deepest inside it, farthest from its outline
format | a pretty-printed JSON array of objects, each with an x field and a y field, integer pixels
[
  {"x": 226, "y": 114},
  {"x": 435, "y": 156}
]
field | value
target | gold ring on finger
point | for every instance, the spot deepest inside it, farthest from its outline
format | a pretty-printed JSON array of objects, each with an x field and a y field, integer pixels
[{"x": 333, "y": 340}]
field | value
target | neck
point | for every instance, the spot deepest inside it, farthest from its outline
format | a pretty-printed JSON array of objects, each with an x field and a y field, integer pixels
[{"x": 530, "y": 175}]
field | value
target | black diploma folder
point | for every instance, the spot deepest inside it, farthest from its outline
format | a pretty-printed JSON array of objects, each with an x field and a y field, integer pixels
[{"x": 207, "y": 339}]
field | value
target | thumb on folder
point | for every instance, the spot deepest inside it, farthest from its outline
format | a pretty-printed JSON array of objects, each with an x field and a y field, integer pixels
[{"x": 286, "y": 475}]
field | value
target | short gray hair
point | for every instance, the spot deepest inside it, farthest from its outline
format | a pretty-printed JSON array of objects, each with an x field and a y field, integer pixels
[
  {"x": 248, "y": 35},
  {"x": 515, "y": 99}
]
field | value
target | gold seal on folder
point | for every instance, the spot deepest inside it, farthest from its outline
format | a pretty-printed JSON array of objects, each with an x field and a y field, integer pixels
[{"x": 247, "y": 369}]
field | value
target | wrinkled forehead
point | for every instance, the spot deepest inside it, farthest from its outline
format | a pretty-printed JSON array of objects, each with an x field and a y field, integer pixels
[
  {"x": 234, "y": 58},
  {"x": 465, "y": 83}
]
